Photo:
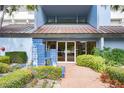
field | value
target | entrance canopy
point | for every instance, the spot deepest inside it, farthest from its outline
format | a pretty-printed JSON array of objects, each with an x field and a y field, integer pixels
[{"x": 66, "y": 28}]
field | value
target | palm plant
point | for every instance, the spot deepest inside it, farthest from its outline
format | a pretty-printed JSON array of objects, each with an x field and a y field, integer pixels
[
  {"x": 117, "y": 8},
  {"x": 12, "y": 8}
]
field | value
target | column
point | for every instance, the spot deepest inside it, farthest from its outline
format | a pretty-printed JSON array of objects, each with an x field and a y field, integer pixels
[{"x": 102, "y": 43}]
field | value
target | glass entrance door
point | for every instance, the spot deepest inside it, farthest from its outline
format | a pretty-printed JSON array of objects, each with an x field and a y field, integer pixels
[
  {"x": 66, "y": 51},
  {"x": 81, "y": 48},
  {"x": 70, "y": 51},
  {"x": 61, "y": 51}
]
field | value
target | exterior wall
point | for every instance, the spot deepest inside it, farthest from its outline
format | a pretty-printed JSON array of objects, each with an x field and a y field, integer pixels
[
  {"x": 92, "y": 17},
  {"x": 99, "y": 15},
  {"x": 18, "y": 44},
  {"x": 38, "y": 52},
  {"x": 40, "y": 18},
  {"x": 40, "y": 55},
  {"x": 98, "y": 43},
  {"x": 114, "y": 43},
  {"x": 103, "y": 15}
]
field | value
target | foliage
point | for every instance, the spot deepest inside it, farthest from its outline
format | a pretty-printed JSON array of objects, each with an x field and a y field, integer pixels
[
  {"x": 118, "y": 55},
  {"x": 4, "y": 68},
  {"x": 31, "y": 7},
  {"x": 15, "y": 66},
  {"x": 49, "y": 72},
  {"x": 16, "y": 79},
  {"x": 12, "y": 8},
  {"x": 117, "y": 8},
  {"x": 112, "y": 83},
  {"x": 116, "y": 73},
  {"x": 94, "y": 62},
  {"x": 17, "y": 57},
  {"x": 96, "y": 52},
  {"x": 5, "y": 59},
  {"x": 113, "y": 57}
]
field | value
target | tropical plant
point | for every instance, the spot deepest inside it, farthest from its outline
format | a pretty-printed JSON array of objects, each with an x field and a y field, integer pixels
[
  {"x": 117, "y": 8},
  {"x": 113, "y": 57}
]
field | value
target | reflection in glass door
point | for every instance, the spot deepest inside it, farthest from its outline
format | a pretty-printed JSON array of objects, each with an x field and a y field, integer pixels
[
  {"x": 70, "y": 51},
  {"x": 66, "y": 51},
  {"x": 81, "y": 48},
  {"x": 61, "y": 51}
]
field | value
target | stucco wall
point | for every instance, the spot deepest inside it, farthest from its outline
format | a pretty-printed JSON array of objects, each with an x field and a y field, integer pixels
[
  {"x": 114, "y": 43},
  {"x": 40, "y": 17},
  {"x": 18, "y": 44},
  {"x": 92, "y": 17},
  {"x": 103, "y": 15}
]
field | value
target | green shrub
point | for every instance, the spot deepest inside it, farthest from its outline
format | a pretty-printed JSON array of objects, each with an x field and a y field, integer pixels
[
  {"x": 113, "y": 57},
  {"x": 5, "y": 59},
  {"x": 15, "y": 67},
  {"x": 111, "y": 63},
  {"x": 91, "y": 61},
  {"x": 4, "y": 68},
  {"x": 96, "y": 52},
  {"x": 118, "y": 55},
  {"x": 17, "y": 57},
  {"x": 116, "y": 73},
  {"x": 48, "y": 72},
  {"x": 16, "y": 79}
]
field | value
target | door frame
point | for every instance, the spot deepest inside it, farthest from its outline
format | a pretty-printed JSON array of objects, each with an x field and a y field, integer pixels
[{"x": 66, "y": 52}]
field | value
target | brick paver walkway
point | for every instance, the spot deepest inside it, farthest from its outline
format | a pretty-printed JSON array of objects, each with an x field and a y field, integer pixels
[{"x": 80, "y": 77}]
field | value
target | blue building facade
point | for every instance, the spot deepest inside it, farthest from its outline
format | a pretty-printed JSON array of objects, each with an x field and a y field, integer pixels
[{"x": 63, "y": 32}]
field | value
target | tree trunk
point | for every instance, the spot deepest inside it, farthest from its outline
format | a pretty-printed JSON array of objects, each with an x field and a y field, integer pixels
[{"x": 2, "y": 16}]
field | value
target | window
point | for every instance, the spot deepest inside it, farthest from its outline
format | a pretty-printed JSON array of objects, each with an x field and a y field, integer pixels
[
  {"x": 66, "y": 19},
  {"x": 82, "y": 20},
  {"x": 51, "y": 45},
  {"x": 50, "y": 20},
  {"x": 81, "y": 47},
  {"x": 90, "y": 46}
]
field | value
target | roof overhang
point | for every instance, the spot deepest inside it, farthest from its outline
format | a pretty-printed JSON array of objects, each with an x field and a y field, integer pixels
[
  {"x": 67, "y": 10},
  {"x": 62, "y": 31}
]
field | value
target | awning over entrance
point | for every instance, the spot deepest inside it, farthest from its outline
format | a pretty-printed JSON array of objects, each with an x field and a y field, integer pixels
[
  {"x": 78, "y": 31},
  {"x": 62, "y": 31},
  {"x": 63, "y": 28}
]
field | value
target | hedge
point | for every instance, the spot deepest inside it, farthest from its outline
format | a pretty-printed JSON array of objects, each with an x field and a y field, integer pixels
[
  {"x": 48, "y": 72},
  {"x": 16, "y": 79},
  {"x": 116, "y": 73},
  {"x": 113, "y": 57},
  {"x": 4, "y": 68},
  {"x": 95, "y": 62},
  {"x": 5, "y": 59},
  {"x": 118, "y": 55},
  {"x": 17, "y": 57}
]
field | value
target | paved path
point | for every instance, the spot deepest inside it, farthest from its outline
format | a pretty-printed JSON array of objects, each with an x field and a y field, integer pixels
[{"x": 80, "y": 77}]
